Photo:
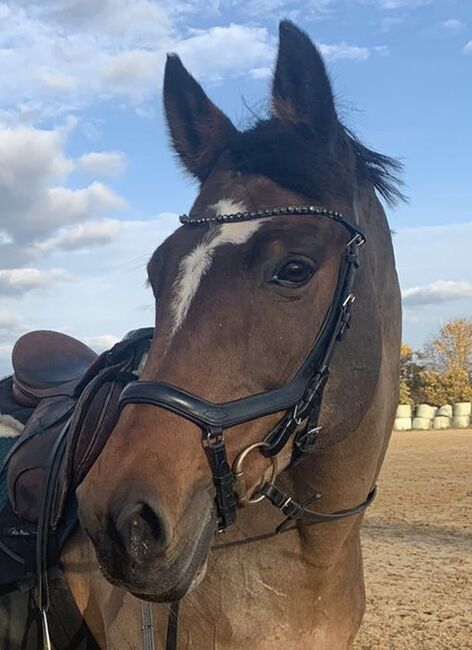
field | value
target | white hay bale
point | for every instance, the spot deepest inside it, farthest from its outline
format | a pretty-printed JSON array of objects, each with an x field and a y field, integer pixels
[
  {"x": 461, "y": 421},
  {"x": 403, "y": 411},
  {"x": 462, "y": 408},
  {"x": 421, "y": 424},
  {"x": 441, "y": 422},
  {"x": 445, "y": 410},
  {"x": 425, "y": 411},
  {"x": 402, "y": 424}
]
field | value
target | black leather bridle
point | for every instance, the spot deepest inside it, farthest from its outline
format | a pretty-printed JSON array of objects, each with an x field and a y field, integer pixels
[{"x": 300, "y": 398}]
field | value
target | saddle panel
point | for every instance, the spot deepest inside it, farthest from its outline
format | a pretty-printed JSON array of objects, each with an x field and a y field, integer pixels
[{"x": 48, "y": 363}]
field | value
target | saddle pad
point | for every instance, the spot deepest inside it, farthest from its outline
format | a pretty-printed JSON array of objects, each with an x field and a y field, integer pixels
[
  {"x": 10, "y": 429},
  {"x": 5, "y": 446}
]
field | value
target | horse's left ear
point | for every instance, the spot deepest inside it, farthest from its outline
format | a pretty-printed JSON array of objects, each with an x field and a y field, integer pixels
[
  {"x": 199, "y": 130},
  {"x": 301, "y": 90}
]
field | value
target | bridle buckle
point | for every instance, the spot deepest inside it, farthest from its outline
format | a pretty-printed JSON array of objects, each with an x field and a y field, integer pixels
[{"x": 213, "y": 436}]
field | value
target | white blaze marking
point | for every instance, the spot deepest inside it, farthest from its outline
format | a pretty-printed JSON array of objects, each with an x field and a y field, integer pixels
[{"x": 194, "y": 265}]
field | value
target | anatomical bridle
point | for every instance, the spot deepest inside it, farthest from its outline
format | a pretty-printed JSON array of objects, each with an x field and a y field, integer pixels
[{"x": 300, "y": 398}]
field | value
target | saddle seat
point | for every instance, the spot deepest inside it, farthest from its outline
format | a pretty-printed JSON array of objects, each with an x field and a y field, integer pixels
[{"x": 47, "y": 364}]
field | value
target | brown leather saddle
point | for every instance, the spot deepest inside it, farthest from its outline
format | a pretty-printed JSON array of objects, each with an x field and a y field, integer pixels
[{"x": 74, "y": 393}]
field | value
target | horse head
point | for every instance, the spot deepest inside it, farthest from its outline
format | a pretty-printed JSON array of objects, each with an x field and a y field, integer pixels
[{"x": 239, "y": 305}]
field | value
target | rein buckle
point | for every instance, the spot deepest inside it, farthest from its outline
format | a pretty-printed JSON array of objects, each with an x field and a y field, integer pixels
[{"x": 305, "y": 441}]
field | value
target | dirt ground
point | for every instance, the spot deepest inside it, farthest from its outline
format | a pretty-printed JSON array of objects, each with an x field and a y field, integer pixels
[{"x": 417, "y": 541}]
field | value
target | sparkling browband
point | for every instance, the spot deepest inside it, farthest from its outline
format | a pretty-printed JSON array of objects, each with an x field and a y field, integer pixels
[{"x": 258, "y": 214}]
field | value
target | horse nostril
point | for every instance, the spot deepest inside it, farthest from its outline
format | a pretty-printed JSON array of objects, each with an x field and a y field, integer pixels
[
  {"x": 153, "y": 522},
  {"x": 141, "y": 531}
]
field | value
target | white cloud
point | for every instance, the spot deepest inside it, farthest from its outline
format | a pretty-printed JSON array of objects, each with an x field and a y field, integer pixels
[
  {"x": 19, "y": 281},
  {"x": 128, "y": 21},
  {"x": 343, "y": 50},
  {"x": 35, "y": 202},
  {"x": 218, "y": 52},
  {"x": 135, "y": 73},
  {"x": 422, "y": 254},
  {"x": 9, "y": 320},
  {"x": 102, "y": 163},
  {"x": 453, "y": 25},
  {"x": 82, "y": 236},
  {"x": 102, "y": 342},
  {"x": 5, "y": 354},
  {"x": 468, "y": 48},
  {"x": 55, "y": 80},
  {"x": 64, "y": 55},
  {"x": 399, "y": 4},
  {"x": 437, "y": 292},
  {"x": 260, "y": 73},
  {"x": 108, "y": 297},
  {"x": 11, "y": 325}
]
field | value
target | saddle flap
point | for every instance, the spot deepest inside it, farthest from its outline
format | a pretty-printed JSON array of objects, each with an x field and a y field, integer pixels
[{"x": 28, "y": 464}]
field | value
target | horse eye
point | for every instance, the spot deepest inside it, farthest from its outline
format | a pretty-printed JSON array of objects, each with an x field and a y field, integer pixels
[{"x": 294, "y": 273}]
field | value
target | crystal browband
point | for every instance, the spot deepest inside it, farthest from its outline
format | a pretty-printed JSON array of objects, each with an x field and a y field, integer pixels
[{"x": 258, "y": 214}]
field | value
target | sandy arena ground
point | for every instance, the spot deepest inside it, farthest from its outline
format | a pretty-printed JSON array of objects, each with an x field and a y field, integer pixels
[{"x": 417, "y": 541}]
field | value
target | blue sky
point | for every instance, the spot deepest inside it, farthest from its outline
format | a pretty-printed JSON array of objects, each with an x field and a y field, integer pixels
[{"x": 89, "y": 187}]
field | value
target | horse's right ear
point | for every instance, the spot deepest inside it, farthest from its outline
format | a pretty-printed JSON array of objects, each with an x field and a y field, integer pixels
[{"x": 199, "y": 130}]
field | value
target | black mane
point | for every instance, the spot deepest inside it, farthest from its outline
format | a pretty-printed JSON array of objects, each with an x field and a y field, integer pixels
[
  {"x": 305, "y": 162},
  {"x": 384, "y": 172}
]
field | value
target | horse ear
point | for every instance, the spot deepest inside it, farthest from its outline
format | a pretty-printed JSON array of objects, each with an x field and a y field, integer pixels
[
  {"x": 301, "y": 90},
  {"x": 199, "y": 130}
]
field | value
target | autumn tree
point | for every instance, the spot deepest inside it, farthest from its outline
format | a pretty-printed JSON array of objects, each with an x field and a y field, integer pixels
[
  {"x": 410, "y": 381},
  {"x": 451, "y": 349},
  {"x": 447, "y": 358}
]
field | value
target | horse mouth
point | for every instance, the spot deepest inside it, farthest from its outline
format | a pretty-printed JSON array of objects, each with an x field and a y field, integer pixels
[{"x": 162, "y": 579}]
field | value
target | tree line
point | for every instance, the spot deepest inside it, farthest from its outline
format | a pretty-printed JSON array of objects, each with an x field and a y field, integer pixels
[{"x": 441, "y": 373}]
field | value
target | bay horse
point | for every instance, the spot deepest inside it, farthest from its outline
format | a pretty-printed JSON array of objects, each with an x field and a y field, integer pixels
[{"x": 245, "y": 291}]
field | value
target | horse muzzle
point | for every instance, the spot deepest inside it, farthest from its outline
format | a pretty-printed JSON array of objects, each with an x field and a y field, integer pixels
[{"x": 137, "y": 548}]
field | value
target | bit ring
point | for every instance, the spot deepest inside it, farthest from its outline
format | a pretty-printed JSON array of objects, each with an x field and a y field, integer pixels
[{"x": 239, "y": 474}]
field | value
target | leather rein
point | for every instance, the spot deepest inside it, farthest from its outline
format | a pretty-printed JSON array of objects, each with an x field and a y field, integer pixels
[{"x": 300, "y": 398}]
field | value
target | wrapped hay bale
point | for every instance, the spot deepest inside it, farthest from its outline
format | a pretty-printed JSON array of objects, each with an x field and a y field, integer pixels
[
  {"x": 462, "y": 409},
  {"x": 421, "y": 424},
  {"x": 442, "y": 422},
  {"x": 461, "y": 421},
  {"x": 403, "y": 411},
  {"x": 425, "y": 411},
  {"x": 402, "y": 424},
  {"x": 445, "y": 410}
]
